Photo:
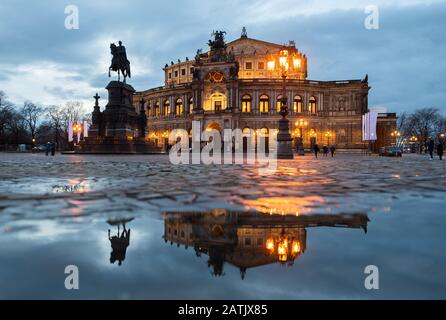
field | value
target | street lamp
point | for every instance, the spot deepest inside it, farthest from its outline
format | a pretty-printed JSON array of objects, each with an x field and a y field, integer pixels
[
  {"x": 76, "y": 130},
  {"x": 285, "y": 246},
  {"x": 328, "y": 134},
  {"x": 284, "y": 139}
]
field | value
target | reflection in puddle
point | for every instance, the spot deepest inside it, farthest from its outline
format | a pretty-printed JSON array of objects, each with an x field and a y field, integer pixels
[
  {"x": 120, "y": 241},
  {"x": 246, "y": 239},
  {"x": 283, "y": 205}
]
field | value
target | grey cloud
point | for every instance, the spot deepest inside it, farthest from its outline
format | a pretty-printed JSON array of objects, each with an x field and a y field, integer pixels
[{"x": 404, "y": 58}]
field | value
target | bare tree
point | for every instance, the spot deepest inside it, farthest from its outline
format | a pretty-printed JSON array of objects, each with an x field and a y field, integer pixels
[
  {"x": 422, "y": 124},
  {"x": 31, "y": 114},
  {"x": 16, "y": 125},
  {"x": 6, "y": 113}
]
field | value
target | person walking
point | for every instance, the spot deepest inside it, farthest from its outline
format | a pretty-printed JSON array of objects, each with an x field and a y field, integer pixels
[
  {"x": 325, "y": 151},
  {"x": 47, "y": 148},
  {"x": 440, "y": 149},
  {"x": 332, "y": 150},
  {"x": 430, "y": 148},
  {"x": 53, "y": 149},
  {"x": 316, "y": 149}
]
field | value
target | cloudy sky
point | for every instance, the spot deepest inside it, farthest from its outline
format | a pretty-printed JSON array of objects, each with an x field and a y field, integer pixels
[{"x": 42, "y": 61}]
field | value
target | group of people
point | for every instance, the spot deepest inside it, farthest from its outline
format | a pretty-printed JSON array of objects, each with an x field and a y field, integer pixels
[
  {"x": 325, "y": 150},
  {"x": 431, "y": 147}
]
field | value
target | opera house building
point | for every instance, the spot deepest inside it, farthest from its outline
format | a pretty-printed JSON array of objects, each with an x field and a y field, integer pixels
[{"x": 239, "y": 85}]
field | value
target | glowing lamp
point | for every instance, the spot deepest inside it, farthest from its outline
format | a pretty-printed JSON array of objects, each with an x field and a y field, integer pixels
[
  {"x": 296, "y": 63},
  {"x": 270, "y": 244},
  {"x": 296, "y": 247},
  {"x": 271, "y": 65}
]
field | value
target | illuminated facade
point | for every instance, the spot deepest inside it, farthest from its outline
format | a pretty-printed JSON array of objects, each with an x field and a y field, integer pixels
[
  {"x": 238, "y": 85},
  {"x": 249, "y": 239}
]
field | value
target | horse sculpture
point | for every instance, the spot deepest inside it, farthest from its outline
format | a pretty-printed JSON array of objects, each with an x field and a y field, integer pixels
[{"x": 119, "y": 61}]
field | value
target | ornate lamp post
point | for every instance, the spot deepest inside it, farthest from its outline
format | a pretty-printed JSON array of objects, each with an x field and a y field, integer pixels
[{"x": 284, "y": 149}]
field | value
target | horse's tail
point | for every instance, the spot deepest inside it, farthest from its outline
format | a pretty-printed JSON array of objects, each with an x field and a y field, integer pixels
[{"x": 128, "y": 70}]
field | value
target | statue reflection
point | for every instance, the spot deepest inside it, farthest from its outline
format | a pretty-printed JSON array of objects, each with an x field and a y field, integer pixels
[
  {"x": 249, "y": 239},
  {"x": 120, "y": 241}
]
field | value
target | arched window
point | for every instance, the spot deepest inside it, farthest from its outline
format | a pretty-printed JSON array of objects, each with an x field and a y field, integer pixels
[
  {"x": 297, "y": 106},
  {"x": 246, "y": 103},
  {"x": 157, "y": 109},
  {"x": 264, "y": 132},
  {"x": 264, "y": 103},
  {"x": 179, "y": 107},
  {"x": 312, "y": 105},
  {"x": 191, "y": 104},
  {"x": 246, "y": 130},
  {"x": 166, "y": 107},
  {"x": 279, "y": 103}
]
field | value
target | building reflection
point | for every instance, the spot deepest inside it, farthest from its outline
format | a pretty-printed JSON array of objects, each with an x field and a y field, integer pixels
[
  {"x": 249, "y": 239},
  {"x": 120, "y": 241}
]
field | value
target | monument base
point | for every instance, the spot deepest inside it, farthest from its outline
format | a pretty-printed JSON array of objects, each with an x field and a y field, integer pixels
[
  {"x": 112, "y": 145},
  {"x": 118, "y": 129},
  {"x": 284, "y": 140}
]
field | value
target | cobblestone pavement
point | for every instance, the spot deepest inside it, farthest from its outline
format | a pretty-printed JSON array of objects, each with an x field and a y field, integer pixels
[
  {"x": 56, "y": 212},
  {"x": 92, "y": 184}
]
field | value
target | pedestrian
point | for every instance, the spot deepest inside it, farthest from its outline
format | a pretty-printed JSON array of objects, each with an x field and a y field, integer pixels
[
  {"x": 440, "y": 148},
  {"x": 325, "y": 150},
  {"x": 53, "y": 149},
  {"x": 430, "y": 148},
  {"x": 47, "y": 148},
  {"x": 316, "y": 149},
  {"x": 332, "y": 150}
]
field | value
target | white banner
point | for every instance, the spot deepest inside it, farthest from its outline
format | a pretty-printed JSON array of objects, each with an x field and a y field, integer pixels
[
  {"x": 70, "y": 131},
  {"x": 369, "y": 123},
  {"x": 86, "y": 127}
]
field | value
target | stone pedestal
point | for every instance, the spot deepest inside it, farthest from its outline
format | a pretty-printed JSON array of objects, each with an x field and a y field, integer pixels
[
  {"x": 115, "y": 130},
  {"x": 284, "y": 140}
]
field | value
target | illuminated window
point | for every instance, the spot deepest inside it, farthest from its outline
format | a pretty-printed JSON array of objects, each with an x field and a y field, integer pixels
[
  {"x": 191, "y": 104},
  {"x": 166, "y": 107},
  {"x": 264, "y": 103},
  {"x": 261, "y": 65},
  {"x": 279, "y": 103},
  {"x": 297, "y": 106},
  {"x": 246, "y": 103},
  {"x": 248, "y": 65},
  {"x": 312, "y": 105},
  {"x": 157, "y": 109},
  {"x": 179, "y": 107}
]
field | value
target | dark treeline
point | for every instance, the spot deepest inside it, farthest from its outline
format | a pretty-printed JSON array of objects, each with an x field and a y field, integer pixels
[
  {"x": 423, "y": 125},
  {"x": 33, "y": 125}
]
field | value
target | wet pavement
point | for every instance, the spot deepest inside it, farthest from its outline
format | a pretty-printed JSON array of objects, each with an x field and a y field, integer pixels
[{"x": 196, "y": 231}]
